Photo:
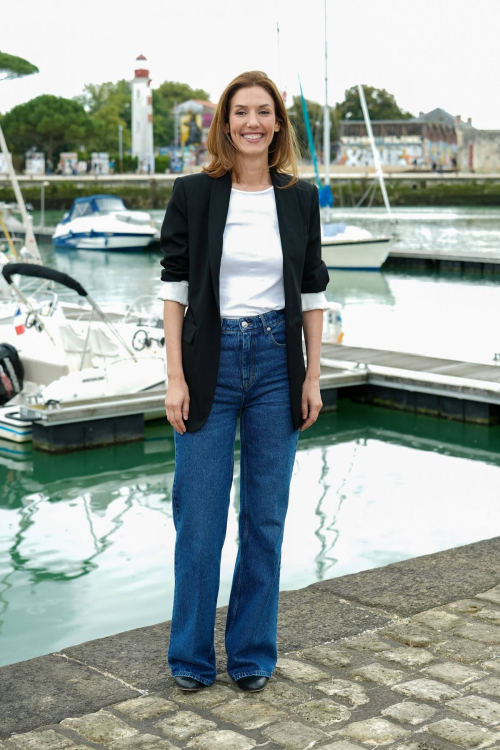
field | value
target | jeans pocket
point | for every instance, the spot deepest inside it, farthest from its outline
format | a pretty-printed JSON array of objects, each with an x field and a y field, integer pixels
[{"x": 278, "y": 335}]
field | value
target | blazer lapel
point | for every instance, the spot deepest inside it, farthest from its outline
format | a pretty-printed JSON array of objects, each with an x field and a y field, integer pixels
[
  {"x": 289, "y": 221},
  {"x": 292, "y": 238},
  {"x": 217, "y": 215}
]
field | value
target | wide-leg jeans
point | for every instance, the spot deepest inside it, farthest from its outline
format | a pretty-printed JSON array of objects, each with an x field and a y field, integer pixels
[{"x": 253, "y": 381}]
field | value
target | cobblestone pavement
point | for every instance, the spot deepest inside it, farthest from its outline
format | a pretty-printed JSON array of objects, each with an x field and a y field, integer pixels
[{"x": 420, "y": 683}]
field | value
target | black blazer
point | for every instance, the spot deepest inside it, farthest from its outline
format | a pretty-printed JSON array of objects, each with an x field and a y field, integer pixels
[{"x": 191, "y": 241}]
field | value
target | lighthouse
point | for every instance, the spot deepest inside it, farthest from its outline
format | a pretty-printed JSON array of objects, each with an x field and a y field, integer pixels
[{"x": 142, "y": 117}]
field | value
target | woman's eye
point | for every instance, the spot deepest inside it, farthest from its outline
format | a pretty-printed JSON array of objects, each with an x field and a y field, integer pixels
[{"x": 263, "y": 111}]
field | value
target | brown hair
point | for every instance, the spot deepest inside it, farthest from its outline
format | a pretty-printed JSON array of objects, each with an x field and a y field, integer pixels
[{"x": 283, "y": 150}]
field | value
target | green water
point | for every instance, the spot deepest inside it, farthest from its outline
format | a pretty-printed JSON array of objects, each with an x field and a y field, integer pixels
[{"x": 86, "y": 540}]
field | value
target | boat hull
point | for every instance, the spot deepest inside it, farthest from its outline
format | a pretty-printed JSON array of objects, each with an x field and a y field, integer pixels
[
  {"x": 355, "y": 255},
  {"x": 103, "y": 242}
]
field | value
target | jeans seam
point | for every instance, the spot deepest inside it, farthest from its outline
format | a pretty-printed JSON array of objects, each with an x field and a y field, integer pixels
[
  {"x": 243, "y": 538},
  {"x": 276, "y": 343}
]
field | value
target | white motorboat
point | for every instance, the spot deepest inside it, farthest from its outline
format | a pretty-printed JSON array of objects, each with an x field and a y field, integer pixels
[
  {"x": 103, "y": 222},
  {"x": 66, "y": 352},
  {"x": 352, "y": 248}
]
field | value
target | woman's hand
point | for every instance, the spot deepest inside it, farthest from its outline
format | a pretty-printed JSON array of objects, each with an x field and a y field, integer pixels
[
  {"x": 177, "y": 403},
  {"x": 311, "y": 401}
]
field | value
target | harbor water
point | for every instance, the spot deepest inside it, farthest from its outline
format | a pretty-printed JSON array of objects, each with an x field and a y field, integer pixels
[{"x": 87, "y": 539}]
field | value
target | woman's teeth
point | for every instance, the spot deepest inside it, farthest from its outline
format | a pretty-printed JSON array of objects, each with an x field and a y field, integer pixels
[{"x": 253, "y": 137}]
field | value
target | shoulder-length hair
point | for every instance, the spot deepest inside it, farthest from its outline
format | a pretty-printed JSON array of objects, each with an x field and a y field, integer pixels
[{"x": 284, "y": 151}]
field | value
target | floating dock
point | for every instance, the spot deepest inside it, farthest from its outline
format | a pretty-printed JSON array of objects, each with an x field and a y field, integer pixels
[
  {"x": 483, "y": 263},
  {"x": 451, "y": 389},
  {"x": 464, "y": 391}
]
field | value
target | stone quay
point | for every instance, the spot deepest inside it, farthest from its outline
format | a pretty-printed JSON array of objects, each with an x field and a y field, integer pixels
[{"x": 406, "y": 656}]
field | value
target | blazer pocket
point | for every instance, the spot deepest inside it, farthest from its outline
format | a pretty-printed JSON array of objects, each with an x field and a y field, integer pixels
[{"x": 188, "y": 331}]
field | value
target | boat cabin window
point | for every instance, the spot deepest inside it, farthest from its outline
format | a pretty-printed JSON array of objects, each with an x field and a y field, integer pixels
[
  {"x": 81, "y": 209},
  {"x": 106, "y": 205}
]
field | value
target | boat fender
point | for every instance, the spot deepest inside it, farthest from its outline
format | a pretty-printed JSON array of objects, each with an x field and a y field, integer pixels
[{"x": 11, "y": 373}]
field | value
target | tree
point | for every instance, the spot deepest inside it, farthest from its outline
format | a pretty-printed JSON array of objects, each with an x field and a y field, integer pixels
[
  {"x": 315, "y": 111},
  {"x": 15, "y": 67},
  {"x": 164, "y": 98},
  {"x": 381, "y": 105},
  {"x": 109, "y": 105},
  {"x": 51, "y": 123}
]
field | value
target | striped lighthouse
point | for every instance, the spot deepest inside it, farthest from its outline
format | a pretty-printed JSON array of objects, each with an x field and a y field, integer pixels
[{"x": 142, "y": 117}]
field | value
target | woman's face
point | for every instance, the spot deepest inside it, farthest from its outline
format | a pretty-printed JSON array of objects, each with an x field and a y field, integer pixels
[{"x": 252, "y": 120}]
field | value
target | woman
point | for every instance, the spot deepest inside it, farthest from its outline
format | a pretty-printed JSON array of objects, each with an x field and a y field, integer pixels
[{"x": 242, "y": 249}]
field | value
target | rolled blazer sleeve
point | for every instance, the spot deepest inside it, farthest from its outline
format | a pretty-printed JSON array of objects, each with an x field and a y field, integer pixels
[
  {"x": 178, "y": 291},
  {"x": 315, "y": 276},
  {"x": 174, "y": 236}
]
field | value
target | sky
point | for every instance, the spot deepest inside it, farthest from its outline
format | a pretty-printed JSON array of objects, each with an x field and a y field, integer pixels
[{"x": 434, "y": 53}]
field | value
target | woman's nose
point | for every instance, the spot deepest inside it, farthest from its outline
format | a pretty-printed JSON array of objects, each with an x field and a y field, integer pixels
[{"x": 252, "y": 120}]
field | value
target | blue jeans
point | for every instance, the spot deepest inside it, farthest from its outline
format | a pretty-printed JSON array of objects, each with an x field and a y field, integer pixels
[{"x": 253, "y": 380}]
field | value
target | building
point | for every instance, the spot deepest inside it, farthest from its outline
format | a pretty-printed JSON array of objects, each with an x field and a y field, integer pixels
[
  {"x": 478, "y": 150},
  {"x": 142, "y": 117},
  {"x": 428, "y": 141}
]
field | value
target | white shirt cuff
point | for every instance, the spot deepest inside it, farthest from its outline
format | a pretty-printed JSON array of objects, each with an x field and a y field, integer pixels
[
  {"x": 314, "y": 301},
  {"x": 174, "y": 290}
]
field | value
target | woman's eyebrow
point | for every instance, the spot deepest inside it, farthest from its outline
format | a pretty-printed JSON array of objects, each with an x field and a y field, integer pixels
[{"x": 244, "y": 106}]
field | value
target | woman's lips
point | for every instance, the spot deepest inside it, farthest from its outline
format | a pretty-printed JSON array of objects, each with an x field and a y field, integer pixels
[{"x": 253, "y": 140}]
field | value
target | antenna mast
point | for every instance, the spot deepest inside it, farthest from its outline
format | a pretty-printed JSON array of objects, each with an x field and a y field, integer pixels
[{"x": 326, "y": 118}]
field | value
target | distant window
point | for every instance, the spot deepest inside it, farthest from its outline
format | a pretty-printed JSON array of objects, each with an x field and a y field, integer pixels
[{"x": 106, "y": 205}]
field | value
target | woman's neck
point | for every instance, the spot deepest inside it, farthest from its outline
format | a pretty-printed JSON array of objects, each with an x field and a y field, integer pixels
[{"x": 253, "y": 174}]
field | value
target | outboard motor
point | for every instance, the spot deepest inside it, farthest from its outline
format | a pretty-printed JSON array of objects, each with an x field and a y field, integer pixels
[{"x": 11, "y": 373}]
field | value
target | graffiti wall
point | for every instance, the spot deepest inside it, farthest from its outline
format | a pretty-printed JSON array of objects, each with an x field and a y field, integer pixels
[
  {"x": 440, "y": 152},
  {"x": 357, "y": 152}
]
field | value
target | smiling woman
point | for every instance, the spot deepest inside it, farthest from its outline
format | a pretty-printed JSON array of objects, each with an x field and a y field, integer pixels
[
  {"x": 243, "y": 238},
  {"x": 251, "y": 122}
]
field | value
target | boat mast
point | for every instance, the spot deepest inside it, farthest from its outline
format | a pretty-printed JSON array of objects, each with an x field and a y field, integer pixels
[
  {"x": 30, "y": 241},
  {"x": 326, "y": 118},
  {"x": 376, "y": 157},
  {"x": 278, "y": 39}
]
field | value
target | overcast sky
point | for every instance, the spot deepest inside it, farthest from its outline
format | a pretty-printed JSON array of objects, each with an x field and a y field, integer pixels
[{"x": 433, "y": 53}]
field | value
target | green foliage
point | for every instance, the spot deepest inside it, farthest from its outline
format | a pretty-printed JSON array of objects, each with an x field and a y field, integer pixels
[
  {"x": 15, "y": 67},
  {"x": 50, "y": 123},
  {"x": 129, "y": 162},
  {"x": 162, "y": 163},
  {"x": 381, "y": 105},
  {"x": 109, "y": 105},
  {"x": 315, "y": 111},
  {"x": 60, "y": 195},
  {"x": 164, "y": 98}
]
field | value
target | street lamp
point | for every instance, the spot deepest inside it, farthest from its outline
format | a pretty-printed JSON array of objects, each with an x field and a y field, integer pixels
[{"x": 120, "y": 146}]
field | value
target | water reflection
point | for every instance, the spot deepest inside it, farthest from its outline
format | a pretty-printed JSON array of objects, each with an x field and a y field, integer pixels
[
  {"x": 86, "y": 540},
  {"x": 360, "y": 287}
]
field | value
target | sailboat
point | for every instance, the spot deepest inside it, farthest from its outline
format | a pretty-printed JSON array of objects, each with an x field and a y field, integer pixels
[{"x": 344, "y": 246}]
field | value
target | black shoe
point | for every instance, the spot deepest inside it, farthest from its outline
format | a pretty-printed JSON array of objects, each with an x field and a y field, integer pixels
[
  {"x": 188, "y": 683},
  {"x": 253, "y": 683}
]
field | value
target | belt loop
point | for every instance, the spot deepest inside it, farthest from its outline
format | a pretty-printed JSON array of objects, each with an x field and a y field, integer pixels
[{"x": 264, "y": 323}]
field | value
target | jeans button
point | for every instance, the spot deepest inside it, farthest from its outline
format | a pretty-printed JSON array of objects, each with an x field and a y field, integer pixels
[{"x": 244, "y": 324}]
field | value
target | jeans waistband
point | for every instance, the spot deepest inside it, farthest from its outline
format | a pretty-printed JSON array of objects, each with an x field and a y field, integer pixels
[{"x": 253, "y": 322}]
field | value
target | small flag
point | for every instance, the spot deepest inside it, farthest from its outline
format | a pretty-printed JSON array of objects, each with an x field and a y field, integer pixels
[{"x": 18, "y": 321}]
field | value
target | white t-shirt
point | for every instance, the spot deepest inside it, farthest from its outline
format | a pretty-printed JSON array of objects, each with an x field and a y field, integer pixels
[{"x": 251, "y": 269}]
